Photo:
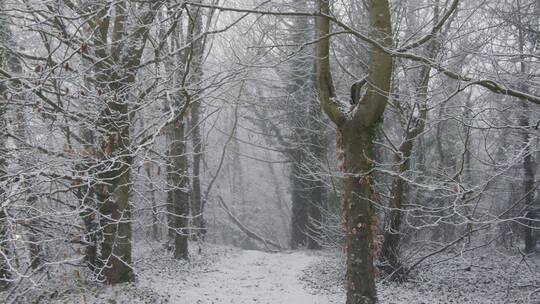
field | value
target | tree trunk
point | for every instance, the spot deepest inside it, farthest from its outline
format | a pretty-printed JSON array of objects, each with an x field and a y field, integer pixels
[
  {"x": 178, "y": 193},
  {"x": 358, "y": 131},
  {"x": 358, "y": 215},
  {"x": 389, "y": 256},
  {"x": 300, "y": 204},
  {"x": 149, "y": 168},
  {"x": 528, "y": 185},
  {"x": 529, "y": 165},
  {"x": 118, "y": 42},
  {"x": 85, "y": 195},
  {"x": 87, "y": 200},
  {"x": 197, "y": 206},
  {"x": 113, "y": 190},
  {"x": 197, "y": 203}
]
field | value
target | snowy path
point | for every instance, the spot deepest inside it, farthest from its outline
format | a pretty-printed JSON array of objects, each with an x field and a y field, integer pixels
[{"x": 252, "y": 277}]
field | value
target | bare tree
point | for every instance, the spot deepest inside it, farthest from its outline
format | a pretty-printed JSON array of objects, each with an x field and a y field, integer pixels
[{"x": 357, "y": 131}]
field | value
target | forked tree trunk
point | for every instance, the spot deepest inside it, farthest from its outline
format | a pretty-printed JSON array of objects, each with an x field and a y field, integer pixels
[{"x": 358, "y": 131}]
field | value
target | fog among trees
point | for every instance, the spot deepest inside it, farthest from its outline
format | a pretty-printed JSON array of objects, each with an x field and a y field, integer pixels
[{"x": 276, "y": 151}]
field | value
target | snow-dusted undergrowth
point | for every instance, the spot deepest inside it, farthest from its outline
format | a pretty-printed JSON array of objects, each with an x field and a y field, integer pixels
[
  {"x": 159, "y": 277},
  {"x": 215, "y": 275},
  {"x": 477, "y": 277},
  {"x": 223, "y": 275}
]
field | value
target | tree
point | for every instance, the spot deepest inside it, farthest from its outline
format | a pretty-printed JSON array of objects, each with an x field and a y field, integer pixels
[
  {"x": 413, "y": 126},
  {"x": 526, "y": 43},
  {"x": 306, "y": 149},
  {"x": 357, "y": 130},
  {"x": 186, "y": 87},
  {"x": 127, "y": 40},
  {"x": 198, "y": 42}
]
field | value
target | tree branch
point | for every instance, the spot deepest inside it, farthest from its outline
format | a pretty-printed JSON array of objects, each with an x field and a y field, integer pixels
[{"x": 247, "y": 231}]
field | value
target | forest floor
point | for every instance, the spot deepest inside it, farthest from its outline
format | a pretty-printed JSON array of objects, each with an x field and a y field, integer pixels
[
  {"x": 255, "y": 277},
  {"x": 223, "y": 275},
  {"x": 218, "y": 275},
  {"x": 481, "y": 276}
]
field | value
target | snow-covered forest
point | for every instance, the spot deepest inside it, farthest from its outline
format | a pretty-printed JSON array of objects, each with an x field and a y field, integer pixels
[{"x": 269, "y": 151}]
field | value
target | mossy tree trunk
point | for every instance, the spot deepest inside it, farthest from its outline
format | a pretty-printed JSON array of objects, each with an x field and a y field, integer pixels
[{"x": 358, "y": 130}]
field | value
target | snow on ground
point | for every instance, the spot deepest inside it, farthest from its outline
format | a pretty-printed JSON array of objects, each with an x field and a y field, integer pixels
[
  {"x": 475, "y": 277},
  {"x": 159, "y": 278},
  {"x": 218, "y": 275},
  {"x": 254, "y": 277},
  {"x": 223, "y": 275}
]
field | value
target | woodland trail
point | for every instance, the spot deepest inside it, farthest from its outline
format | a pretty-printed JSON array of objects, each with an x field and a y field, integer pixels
[{"x": 253, "y": 277}]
